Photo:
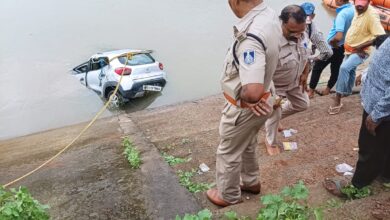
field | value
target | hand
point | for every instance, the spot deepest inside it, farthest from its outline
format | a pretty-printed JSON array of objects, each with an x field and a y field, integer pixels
[
  {"x": 362, "y": 54},
  {"x": 334, "y": 44},
  {"x": 261, "y": 108},
  {"x": 303, "y": 82},
  {"x": 371, "y": 125},
  {"x": 358, "y": 80}
]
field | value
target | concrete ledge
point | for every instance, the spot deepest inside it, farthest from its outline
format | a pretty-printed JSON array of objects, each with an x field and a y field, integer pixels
[{"x": 165, "y": 197}]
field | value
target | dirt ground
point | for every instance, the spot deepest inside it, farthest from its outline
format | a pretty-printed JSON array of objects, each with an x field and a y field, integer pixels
[
  {"x": 191, "y": 130},
  {"x": 91, "y": 181}
]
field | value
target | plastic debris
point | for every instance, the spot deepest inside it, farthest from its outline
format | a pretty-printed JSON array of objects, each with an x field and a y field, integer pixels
[
  {"x": 348, "y": 174},
  {"x": 204, "y": 168},
  {"x": 290, "y": 146},
  {"x": 355, "y": 149},
  {"x": 342, "y": 168},
  {"x": 287, "y": 133}
]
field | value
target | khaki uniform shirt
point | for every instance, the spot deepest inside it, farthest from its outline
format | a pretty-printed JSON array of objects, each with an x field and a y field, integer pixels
[
  {"x": 256, "y": 65},
  {"x": 292, "y": 61}
]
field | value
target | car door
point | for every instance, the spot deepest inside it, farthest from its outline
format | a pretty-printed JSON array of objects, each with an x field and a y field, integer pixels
[
  {"x": 80, "y": 71},
  {"x": 96, "y": 73}
]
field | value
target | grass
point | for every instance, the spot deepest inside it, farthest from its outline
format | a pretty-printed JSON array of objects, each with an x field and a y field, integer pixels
[
  {"x": 333, "y": 203},
  {"x": 291, "y": 203},
  {"x": 131, "y": 153},
  {"x": 185, "y": 179},
  {"x": 20, "y": 205},
  {"x": 172, "y": 161},
  {"x": 202, "y": 215},
  {"x": 354, "y": 193}
]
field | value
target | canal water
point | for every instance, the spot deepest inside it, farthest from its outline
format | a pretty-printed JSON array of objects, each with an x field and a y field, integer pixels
[{"x": 42, "y": 40}]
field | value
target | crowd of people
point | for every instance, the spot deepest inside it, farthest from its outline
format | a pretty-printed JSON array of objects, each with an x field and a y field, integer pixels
[{"x": 265, "y": 78}]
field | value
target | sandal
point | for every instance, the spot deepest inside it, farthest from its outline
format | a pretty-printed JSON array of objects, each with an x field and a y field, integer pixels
[
  {"x": 335, "y": 186},
  {"x": 335, "y": 110}
]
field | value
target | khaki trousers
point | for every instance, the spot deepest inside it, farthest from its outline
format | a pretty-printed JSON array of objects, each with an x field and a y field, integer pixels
[
  {"x": 296, "y": 102},
  {"x": 236, "y": 153}
]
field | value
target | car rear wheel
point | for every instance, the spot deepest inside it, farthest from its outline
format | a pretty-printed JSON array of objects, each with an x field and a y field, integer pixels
[{"x": 117, "y": 100}]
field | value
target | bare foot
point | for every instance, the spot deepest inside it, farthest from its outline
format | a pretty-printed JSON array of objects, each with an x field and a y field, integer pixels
[
  {"x": 336, "y": 101},
  {"x": 325, "y": 91},
  {"x": 281, "y": 127},
  {"x": 310, "y": 93},
  {"x": 272, "y": 150}
]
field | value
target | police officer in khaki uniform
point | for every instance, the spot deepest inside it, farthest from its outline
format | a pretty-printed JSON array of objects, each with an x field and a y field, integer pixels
[
  {"x": 291, "y": 74},
  {"x": 247, "y": 83}
]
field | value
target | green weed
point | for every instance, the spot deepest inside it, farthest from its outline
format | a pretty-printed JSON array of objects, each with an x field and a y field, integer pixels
[
  {"x": 20, "y": 205},
  {"x": 131, "y": 153},
  {"x": 185, "y": 180},
  {"x": 291, "y": 203},
  {"x": 202, "y": 215},
  {"x": 232, "y": 215},
  {"x": 354, "y": 193},
  {"x": 185, "y": 141},
  {"x": 333, "y": 203},
  {"x": 171, "y": 160}
]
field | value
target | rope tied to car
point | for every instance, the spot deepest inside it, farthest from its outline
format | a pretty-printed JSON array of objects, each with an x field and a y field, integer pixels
[{"x": 128, "y": 56}]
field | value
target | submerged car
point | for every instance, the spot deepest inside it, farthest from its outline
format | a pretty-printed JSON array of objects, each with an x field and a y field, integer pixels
[{"x": 141, "y": 74}]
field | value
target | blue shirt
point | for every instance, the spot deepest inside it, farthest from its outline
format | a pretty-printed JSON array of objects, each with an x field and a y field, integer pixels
[
  {"x": 376, "y": 88},
  {"x": 342, "y": 22}
]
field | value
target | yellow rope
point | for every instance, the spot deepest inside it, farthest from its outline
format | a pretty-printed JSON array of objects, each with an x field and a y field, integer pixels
[{"x": 128, "y": 57}]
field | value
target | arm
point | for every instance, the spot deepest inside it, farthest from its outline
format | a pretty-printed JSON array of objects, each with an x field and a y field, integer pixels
[
  {"x": 304, "y": 76},
  {"x": 252, "y": 72},
  {"x": 337, "y": 38},
  {"x": 361, "y": 47},
  {"x": 382, "y": 108},
  {"x": 252, "y": 93},
  {"x": 319, "y": 41},
  {"x": 339, "y": 23}
]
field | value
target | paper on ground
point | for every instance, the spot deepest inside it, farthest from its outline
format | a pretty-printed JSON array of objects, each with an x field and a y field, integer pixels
[
  {"x": 342, "y": 168},
  {"x": 348, "y": 174},
  {"x": 204, "y": 168},
  {"x": 290, "y": 146},
  {"x": 289, "y": 132}
]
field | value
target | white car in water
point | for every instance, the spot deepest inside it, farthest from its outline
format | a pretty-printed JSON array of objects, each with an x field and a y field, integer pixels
[{"x": 142, "y": 74}]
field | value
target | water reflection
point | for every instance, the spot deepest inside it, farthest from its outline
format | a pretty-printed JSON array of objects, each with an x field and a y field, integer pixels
[{"x": 141, "y": 103}]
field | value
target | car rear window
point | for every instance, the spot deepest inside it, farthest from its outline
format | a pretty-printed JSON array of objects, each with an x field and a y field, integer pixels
[{"x": 139, "y": 59}]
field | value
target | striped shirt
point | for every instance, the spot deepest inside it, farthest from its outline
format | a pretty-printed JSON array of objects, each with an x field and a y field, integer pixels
[
  {"x": 376, "y": 88},
  {"x": 318, "y": 40}
]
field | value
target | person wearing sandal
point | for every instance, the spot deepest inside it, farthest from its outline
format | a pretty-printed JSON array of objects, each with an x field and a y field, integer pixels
[
  {"x": 365, "y": 27},
  {"x": 291, "y": 74},
  {"x": 374, "y": 138},
  {"x": 336, "y": 38}
]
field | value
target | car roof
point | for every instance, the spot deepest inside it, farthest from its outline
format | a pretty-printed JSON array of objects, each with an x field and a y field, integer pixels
[{"x": 114, "y": 53}]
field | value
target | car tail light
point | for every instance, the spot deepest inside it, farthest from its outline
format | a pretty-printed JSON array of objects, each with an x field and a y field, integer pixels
[
  {"x": 161, "y": 66},
  {"x": 124, "y": 70}
]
